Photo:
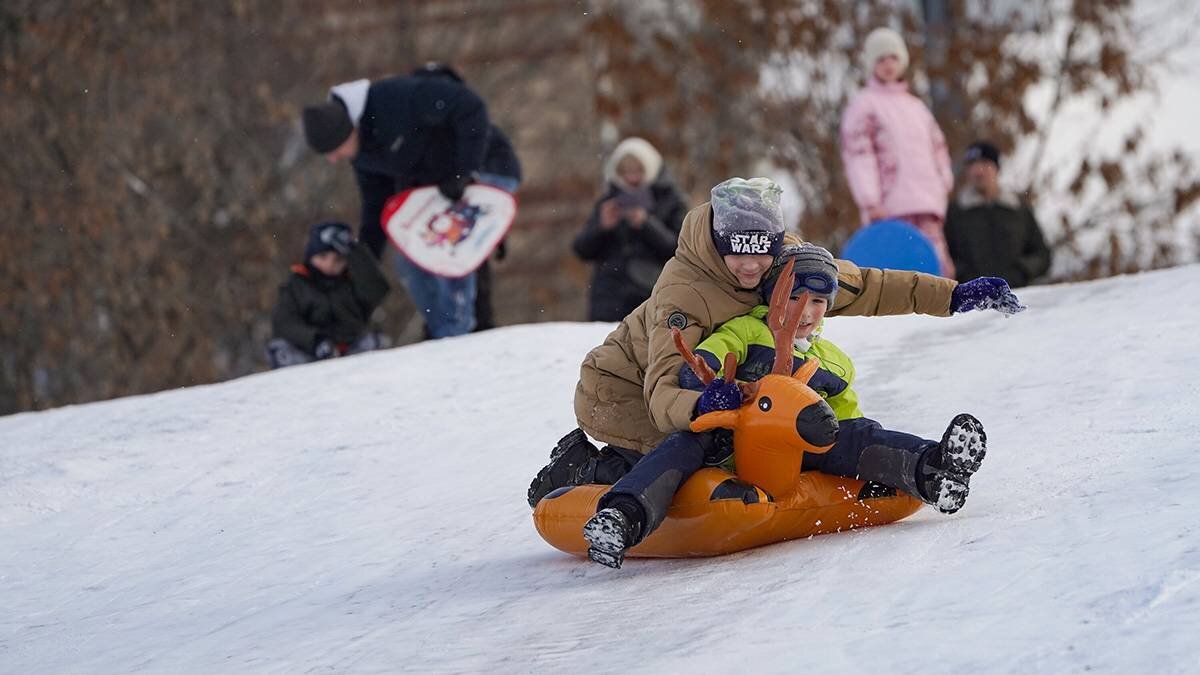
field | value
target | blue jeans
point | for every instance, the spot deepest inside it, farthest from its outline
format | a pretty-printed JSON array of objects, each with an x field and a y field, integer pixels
[{"x": 447, "y": 305}]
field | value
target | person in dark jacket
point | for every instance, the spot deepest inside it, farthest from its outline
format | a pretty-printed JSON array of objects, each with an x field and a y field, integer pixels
[
  {"x": 324, "y": 307},
  {"x": 501, "y": 169},
  {"x": 400, "y": 133},
  {"x": 633, "y": 230},
  {"x": 989, "y": 230}
]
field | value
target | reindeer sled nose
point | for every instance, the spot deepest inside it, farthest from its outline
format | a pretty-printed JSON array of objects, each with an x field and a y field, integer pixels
[{"x": 817, "y": 425}]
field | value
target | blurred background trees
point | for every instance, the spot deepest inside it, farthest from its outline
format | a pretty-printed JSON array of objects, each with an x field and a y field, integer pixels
[{"x": 156, "y": 184}]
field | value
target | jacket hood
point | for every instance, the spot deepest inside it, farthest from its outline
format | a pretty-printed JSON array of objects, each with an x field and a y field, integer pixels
[
  {"x": 353, "y": 95},
  {"x": 641, "y": 150},
  {"x": 696, "y": 247}
]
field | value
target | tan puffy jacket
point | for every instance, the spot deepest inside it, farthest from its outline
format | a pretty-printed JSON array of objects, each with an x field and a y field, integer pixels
[{"x": 628, "y": 392}]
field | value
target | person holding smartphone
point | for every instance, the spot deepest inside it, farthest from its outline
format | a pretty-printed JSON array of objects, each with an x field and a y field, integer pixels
[{"x": 632, "y": 232}]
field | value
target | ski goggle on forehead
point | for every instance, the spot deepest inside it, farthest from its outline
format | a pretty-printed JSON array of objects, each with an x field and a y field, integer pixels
[{"x": 816, "y": 282}]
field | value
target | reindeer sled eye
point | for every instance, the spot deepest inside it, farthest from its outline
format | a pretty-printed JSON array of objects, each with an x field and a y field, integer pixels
[{"x": 764, "y": 403}]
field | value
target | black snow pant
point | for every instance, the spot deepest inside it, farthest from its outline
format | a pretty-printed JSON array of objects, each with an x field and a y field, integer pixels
[
  {"x": 613, "y": 462},
  {"x": 652, "y": 482},
  {"x": 863, "y": 449},
  {"x": 856, "y": 435}
]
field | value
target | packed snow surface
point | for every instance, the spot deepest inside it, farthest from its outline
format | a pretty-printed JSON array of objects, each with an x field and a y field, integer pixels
[{"x": 368, "y": 515}]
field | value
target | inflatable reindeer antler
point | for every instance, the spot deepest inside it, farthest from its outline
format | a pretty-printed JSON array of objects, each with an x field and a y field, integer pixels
[
  {"x": 699, "y": 366},
  {"x": 783, "y": 319}
]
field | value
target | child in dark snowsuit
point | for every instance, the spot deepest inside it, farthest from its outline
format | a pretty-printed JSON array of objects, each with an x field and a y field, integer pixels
[
  {"x": 938, "y": 473},
  {"x": 325, "y": 305}
]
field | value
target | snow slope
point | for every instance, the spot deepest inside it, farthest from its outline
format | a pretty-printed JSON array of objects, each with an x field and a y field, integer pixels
[{"x": 368, "y": 515}]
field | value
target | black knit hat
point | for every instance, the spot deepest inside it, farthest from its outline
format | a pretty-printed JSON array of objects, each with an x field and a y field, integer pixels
[
  {"x": 982, "y": 150},
  {"x": 330, "y": 235},
  {"x": 326, "y": 126}
]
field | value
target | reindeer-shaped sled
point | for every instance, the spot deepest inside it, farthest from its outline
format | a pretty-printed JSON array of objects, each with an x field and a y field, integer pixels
[{"x": 770, "y": 499}]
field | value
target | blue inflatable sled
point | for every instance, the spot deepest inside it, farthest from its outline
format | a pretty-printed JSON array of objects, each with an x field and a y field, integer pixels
[{"x": 893, "y": 245}]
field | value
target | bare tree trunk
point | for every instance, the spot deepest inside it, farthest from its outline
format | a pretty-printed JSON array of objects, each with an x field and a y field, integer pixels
[{"x": 948, "y": 105}]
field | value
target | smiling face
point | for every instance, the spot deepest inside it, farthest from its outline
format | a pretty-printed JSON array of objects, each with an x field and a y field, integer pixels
[
  {"x": 748, "y": 269},
  {"x": 811, "y": 317}
]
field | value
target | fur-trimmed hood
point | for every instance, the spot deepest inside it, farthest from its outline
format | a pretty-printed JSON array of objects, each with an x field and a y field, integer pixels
[{"x": 642, "y": 151}]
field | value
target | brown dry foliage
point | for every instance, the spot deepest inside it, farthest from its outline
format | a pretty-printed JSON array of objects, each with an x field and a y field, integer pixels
[
  {"x": 155, "y": 184},
  {"x": 974, "y": 63}
]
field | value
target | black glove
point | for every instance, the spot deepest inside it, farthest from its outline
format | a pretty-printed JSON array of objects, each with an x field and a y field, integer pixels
[
  {"x": 337, "y": 237},
  {"x": 325, "y": 350},
  {"x": 452, "y": 188}
]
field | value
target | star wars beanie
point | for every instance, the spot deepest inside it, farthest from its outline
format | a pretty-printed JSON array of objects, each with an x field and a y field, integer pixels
[
  {"x": 884, "y": 42},
  {"x": 747, "y": 218},
  {"x": 326, "y": 126},
  {"x": 815, "y": 271},
  {"x": 330, "y": 235}
]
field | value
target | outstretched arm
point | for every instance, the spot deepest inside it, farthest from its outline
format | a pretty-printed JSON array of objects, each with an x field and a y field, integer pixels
[{"x": 867, "y": 291}]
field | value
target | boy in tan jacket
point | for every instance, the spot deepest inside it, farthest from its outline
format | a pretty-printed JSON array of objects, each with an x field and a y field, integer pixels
[{"x": 629, "y": 394}]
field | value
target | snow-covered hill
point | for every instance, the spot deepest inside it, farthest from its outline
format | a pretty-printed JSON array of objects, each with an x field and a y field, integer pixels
[{"x": 368, "y": 515}]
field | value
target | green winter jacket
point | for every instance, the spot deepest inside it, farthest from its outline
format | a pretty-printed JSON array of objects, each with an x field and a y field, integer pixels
[{"x": 751, "y": 341}]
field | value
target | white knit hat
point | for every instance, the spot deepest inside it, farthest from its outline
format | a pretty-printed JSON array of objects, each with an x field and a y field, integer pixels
[
  {"x": 883, "y": 42},
  {"x": 641, "y": 150}
]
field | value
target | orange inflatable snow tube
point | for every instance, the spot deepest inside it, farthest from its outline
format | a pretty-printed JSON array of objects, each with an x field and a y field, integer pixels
[
  {"x": 770, "y": 499},
  {"x": 715, "y": 513}
]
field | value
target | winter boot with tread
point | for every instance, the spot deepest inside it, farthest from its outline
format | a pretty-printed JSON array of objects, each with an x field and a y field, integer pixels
[
  {"x": 610, "y": 533},
  {"x": 572, "y": 462},
  {"x": 947, "y": 471}
]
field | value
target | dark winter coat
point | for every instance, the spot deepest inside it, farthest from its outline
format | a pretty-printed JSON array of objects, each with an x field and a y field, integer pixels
[
  {"x": 628, "y": 260},
  {"x": 1000, "y": 238},
  {"x": 313, "y": 307},
  {"x": 500, "y": 158},
  {"x": 415, "y": 131}
]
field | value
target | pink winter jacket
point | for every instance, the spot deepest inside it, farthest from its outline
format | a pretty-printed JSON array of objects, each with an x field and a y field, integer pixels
[{"x": 894, "y": 153}]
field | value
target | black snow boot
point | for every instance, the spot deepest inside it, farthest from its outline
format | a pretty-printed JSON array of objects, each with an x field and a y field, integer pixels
[
  {"x": 938, "y": 475},
  {"x": 572, "y": 462},
  {"x": 944, "y": 474},
  {"x": 612, "y": 531}
]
